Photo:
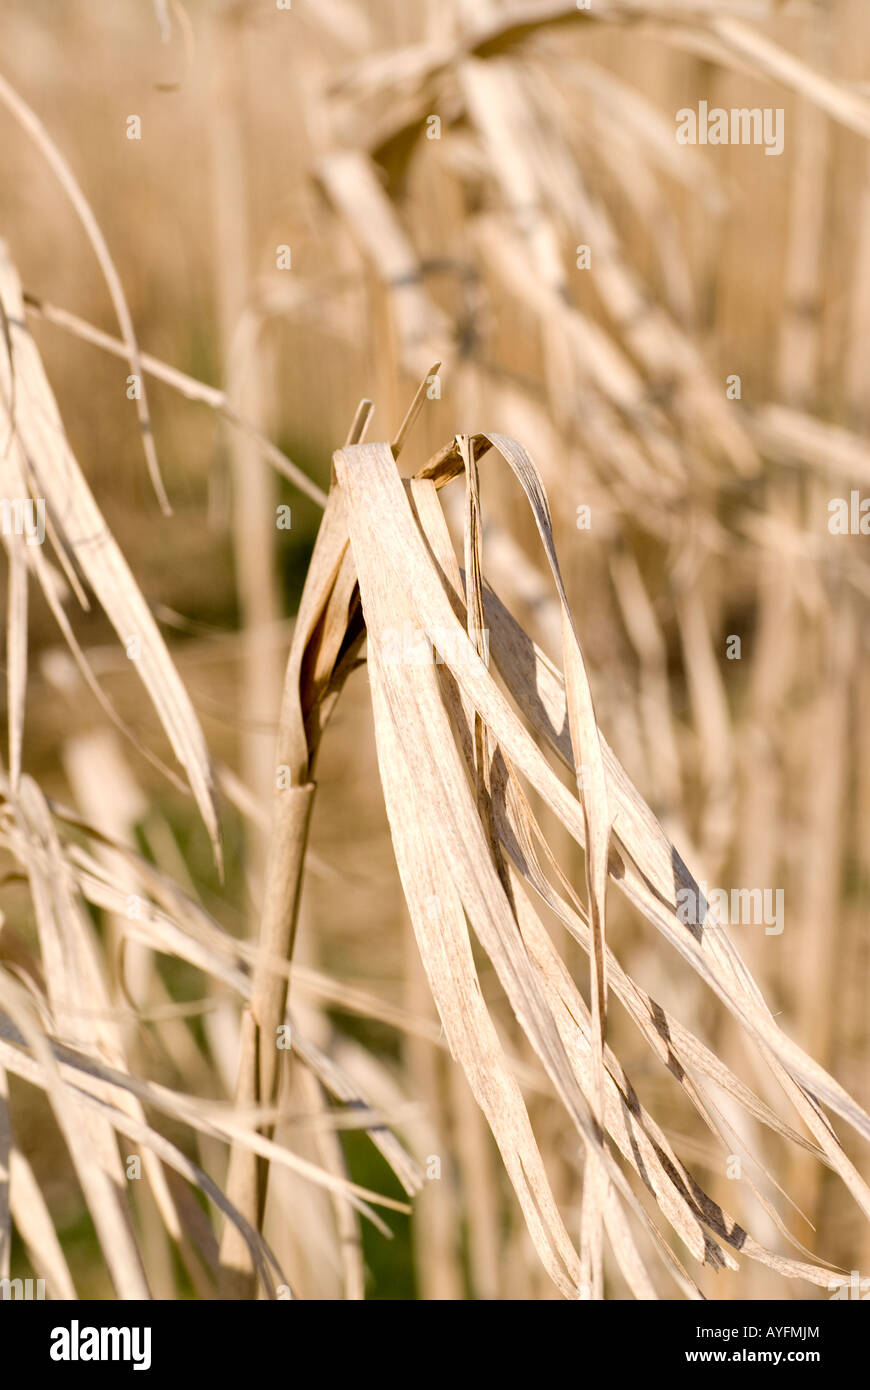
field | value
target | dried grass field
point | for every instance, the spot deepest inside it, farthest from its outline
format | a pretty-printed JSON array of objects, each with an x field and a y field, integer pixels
[{"x": 435, "y": 778}]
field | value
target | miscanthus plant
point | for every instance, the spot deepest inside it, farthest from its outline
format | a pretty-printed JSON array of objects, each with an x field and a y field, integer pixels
[
  {"x": 468, "y": 743},
  {"x": 492, "y": 769}
]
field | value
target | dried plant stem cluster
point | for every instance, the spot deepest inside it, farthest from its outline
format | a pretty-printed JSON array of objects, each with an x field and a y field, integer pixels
[{"x": 494, "y": 217}]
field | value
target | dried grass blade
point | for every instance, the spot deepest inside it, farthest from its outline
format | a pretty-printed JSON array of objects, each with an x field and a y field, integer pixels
[
  {"x": 16, "y": 653},
  {"x": 33, "y": 1219},
  {"x": 5, "y": 1165},
  {"x": 102, "y": 1195},
  {"x": 28, "y": 119},
  {"x": 40, "y": 438},
  {"x": 187, "y": 386}
]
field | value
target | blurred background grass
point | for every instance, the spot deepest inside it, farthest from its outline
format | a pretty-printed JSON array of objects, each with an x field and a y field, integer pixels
[{"x": 755, "y": 266}]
